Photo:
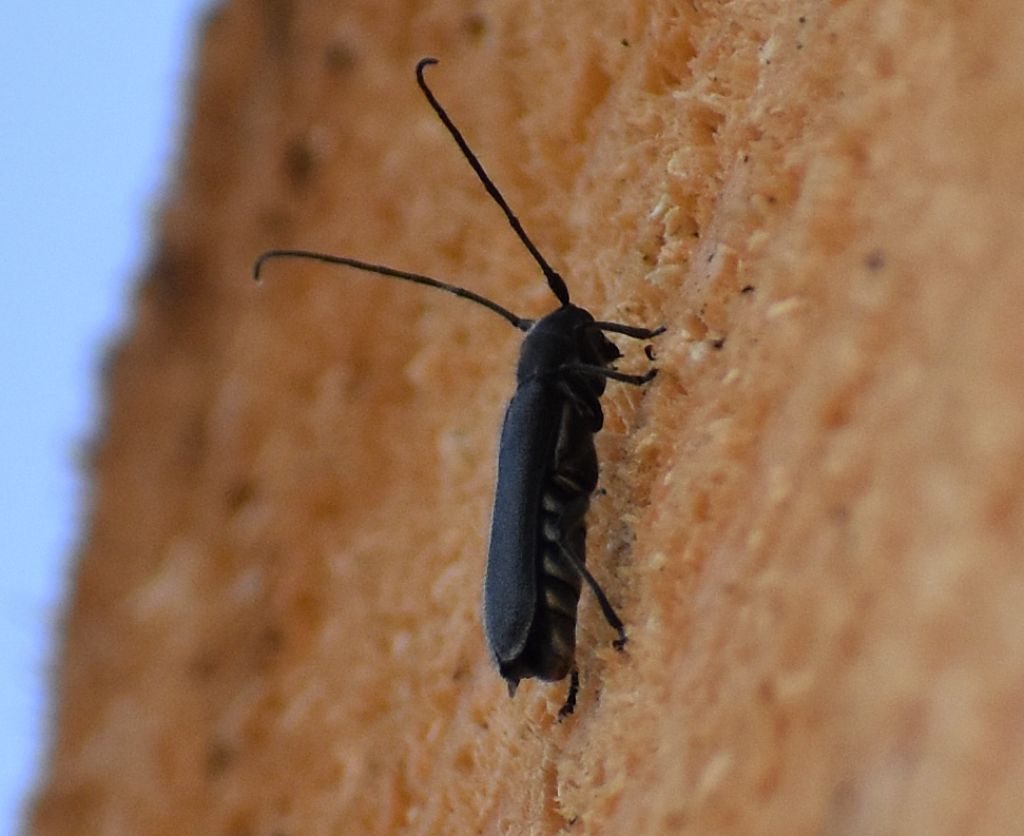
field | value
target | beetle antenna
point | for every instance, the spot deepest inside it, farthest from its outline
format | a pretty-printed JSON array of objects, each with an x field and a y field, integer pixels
[
  {"x": 555, "y": 281},
  {"x": 518, "y": 321}
]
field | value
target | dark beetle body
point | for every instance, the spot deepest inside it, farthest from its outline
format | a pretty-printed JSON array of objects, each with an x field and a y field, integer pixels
[
  {"x": 547, "y": 470},
  {"x": 547, "y": 463}
]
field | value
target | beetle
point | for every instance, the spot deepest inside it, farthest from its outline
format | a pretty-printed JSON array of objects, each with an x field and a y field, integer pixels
[{"x": 547, "y": 462}]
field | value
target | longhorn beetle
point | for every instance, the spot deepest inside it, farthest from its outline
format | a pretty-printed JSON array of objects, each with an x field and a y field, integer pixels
[{"x": 547, "y": 463}]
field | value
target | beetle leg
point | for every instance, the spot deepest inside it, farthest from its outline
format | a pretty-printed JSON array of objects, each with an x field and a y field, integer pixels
[
  {"x": 628, "y": 330},
  {"x": 601, "y": 371},
  {"x": 607, "y": 609},
  {"x": 570, "y": 699},
  {"x": 589, "y": 407}
]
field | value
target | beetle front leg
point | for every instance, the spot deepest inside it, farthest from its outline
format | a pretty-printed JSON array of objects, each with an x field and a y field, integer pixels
[{"x": 633, "y": 331}]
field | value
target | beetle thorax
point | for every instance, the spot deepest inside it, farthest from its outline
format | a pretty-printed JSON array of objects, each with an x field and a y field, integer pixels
[{"x": 563, "y": 338}]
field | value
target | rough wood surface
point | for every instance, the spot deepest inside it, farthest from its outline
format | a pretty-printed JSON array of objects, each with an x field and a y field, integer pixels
[{"x": 813, "y": 520}]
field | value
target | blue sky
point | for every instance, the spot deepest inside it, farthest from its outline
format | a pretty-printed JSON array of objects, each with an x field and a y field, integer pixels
[{"x": 91, "y": 102}]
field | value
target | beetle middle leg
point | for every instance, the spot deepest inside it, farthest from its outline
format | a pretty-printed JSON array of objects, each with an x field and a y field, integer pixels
[
  {"x": 569, "y": 519},
  {"x": 607, "y": 609},
  {"x": 612, "y": 374}
]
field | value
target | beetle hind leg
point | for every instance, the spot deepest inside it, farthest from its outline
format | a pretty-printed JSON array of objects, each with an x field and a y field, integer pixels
[{"x": 570, "y": 698}]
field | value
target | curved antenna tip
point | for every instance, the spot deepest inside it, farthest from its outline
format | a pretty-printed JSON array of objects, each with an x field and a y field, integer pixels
[
  {"x": 257, "y": 266},
  {"x": 424, "y": 62}
]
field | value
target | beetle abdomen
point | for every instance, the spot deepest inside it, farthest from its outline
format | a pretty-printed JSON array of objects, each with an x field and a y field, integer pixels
[
  {"x": 553, "y": 641},
  {"x": 550, "y": 647}
]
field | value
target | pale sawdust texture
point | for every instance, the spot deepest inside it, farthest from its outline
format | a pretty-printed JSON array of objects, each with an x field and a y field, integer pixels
[{"x": 813, "y": 519}]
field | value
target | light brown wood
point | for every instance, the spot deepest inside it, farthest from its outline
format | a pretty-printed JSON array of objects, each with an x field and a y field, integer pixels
[{"x": 813, "y": 523}]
